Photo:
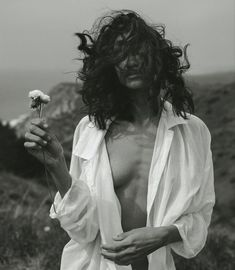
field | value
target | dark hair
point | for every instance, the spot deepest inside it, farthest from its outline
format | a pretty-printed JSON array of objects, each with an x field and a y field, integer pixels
[{"x": 102, "y": 93}]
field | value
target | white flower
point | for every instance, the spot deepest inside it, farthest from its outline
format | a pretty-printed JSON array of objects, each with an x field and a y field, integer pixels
[{"x": 38, "y": 94}]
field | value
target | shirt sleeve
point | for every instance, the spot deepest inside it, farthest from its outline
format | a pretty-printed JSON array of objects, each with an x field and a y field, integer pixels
[
  {"x": 77, "y": 211},
  {"x": 193, "y": 226}
]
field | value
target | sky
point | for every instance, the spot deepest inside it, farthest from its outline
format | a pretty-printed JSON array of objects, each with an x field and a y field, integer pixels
[{"x": 39, "y": 34}]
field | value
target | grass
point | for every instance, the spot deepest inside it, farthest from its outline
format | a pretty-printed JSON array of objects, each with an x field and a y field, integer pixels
[
  {"x": 29, "y": 244},
  {"x": 218, "y": 254},
  {"x": 29, "y": 238}
]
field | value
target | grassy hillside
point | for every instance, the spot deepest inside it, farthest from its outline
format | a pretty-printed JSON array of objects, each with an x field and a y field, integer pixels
[
  {"x": 29, "y": 238},
  {"x": 216, "y": 107},
  {"x": 213, "y": 79}
]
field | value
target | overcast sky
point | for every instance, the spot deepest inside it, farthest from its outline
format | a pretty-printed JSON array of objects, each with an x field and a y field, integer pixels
[{"x": 38, "y": 34}]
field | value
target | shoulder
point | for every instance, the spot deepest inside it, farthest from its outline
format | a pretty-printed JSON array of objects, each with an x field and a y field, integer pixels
[
  {"x": 197, "y": 132},
  {"x": 197, "y": 125},
  {"x": 87, "y": 138},
  {"x": 85, "y": 122},
  {"x": 192, "y": 125},
  {"x": 82, "y": 126}
]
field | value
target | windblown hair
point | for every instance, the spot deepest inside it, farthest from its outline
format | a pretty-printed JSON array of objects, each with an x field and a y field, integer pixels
[{"x": 103, "y": 94}]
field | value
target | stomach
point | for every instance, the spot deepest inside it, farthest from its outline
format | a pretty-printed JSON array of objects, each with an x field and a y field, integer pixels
[
  {"x": 133, "y": 201},
  {"x": 133, "y": 207},
  {"x": 133, "y": 216}
]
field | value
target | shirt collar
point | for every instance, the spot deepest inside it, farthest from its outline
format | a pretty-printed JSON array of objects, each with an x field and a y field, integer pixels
[
  {"x": 170, "y": 117},
  {"x": 92, "y": 137}
]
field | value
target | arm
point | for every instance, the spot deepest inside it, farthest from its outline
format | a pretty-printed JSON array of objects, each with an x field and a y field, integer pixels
[
  {"x": 173, "y": 235},
  {"x": 75, "y": 206},
  {"x": 130, "y": 246},
  {"x": 193, "y": 226},
  {"x": 61, "y": 177}
]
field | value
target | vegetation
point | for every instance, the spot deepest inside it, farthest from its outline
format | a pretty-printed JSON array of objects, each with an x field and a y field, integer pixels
[
  {"x": 13, "y": 156},
  {"x": 26, "y": 245},
  {"x": 218, "y": 254},
  {"x": 29, "y": 238}
]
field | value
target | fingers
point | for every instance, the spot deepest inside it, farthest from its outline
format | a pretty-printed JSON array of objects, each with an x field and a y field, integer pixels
[
  {"x": 32, "y": 146},
  {"x": 40, "y": 122},
  {"x": 120, "y": 236},
  {"x": 39, "y": 132},
  {"x": 127, "y": 256},
  {"x": 116, "y": 246},
  {"x": 122, "y": 258},
  {"x": 36, "y": 139}
]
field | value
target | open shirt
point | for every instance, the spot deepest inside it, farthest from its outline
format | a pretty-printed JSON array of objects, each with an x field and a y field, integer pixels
[{"x": 180, "y": 193}]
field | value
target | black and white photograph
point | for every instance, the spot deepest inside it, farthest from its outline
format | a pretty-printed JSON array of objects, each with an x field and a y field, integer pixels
[{"x": 117, "y": 135}]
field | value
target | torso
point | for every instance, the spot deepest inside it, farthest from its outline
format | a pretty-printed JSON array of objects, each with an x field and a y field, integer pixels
[{"x": 130, "y": 151}]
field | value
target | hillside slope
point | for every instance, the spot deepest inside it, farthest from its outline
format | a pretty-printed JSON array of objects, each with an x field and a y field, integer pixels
[
  {"x": 63, "y": 114},
  {"x": 215, "y": 106}
]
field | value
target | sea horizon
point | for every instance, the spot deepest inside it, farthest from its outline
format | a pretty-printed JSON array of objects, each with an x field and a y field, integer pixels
[{"x": 16, "y": 84}]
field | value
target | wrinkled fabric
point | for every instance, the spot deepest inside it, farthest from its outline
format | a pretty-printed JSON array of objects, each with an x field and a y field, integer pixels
[{"x": 180, "y": 193}]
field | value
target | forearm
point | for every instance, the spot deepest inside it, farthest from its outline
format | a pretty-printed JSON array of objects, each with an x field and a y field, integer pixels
[
  {"x": 173, "y": 234},
  {"x": 164, "y": 235},
  {"x": 60, "y": 175}
]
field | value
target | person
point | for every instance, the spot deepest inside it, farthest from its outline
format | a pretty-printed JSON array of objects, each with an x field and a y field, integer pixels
[{"x": 140, "y": 183}]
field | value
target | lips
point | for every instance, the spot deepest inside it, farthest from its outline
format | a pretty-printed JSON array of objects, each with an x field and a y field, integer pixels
[{"x": 133, "y": 75}]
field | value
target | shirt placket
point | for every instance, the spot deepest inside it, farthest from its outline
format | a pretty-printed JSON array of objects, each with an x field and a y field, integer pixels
[{"x": 161, "y": 151}]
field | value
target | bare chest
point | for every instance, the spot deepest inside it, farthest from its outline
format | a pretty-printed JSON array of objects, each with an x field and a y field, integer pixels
[
  {"x": 130, "y": 154},
  {"x": 130, "y": 158}
]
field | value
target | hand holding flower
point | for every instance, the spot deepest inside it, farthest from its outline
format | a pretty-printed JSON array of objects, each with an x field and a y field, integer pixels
[
  {"x": 43, "y": 145},
  {"x": 41, "y": 138}
]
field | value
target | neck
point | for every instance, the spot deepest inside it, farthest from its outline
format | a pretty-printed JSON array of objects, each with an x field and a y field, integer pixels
[{"x": 142, "y": 109}]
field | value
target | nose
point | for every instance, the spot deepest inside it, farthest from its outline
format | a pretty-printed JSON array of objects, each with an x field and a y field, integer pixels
[{"x": 132, "y": 61}]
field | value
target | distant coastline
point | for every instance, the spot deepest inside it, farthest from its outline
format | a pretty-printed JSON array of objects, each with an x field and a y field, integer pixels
[{"x": 15, "y": 85}]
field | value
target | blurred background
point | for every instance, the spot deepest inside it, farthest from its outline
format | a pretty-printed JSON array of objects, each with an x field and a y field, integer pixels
[{"x": 38, "y": 50}]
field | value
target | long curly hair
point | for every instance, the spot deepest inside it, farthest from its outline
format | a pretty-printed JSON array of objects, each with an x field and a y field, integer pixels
[{"x": 102, "y": 93}]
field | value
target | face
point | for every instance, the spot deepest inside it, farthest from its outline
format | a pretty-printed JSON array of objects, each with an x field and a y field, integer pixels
[{"x": 129, "y": 70}]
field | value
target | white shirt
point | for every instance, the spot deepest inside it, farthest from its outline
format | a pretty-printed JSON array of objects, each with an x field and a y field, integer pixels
[{"x": 180, "y": 193}]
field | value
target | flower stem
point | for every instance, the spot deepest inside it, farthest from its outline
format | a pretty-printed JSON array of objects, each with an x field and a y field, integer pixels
[
  {"x": 40, "y": 110},
  {"x": 44, "y": 163}
]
